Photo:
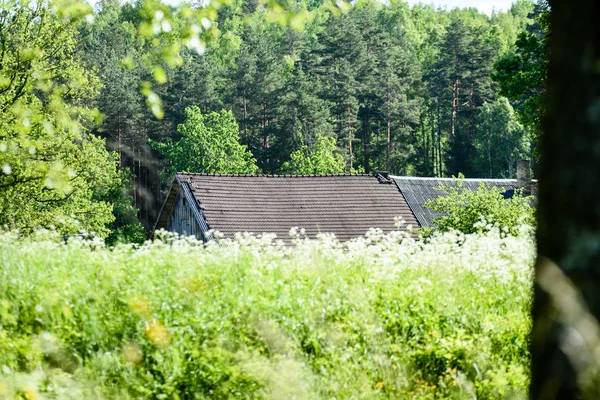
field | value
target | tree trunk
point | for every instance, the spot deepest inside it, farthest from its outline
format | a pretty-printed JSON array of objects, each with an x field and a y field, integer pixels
[
  {"x": 263, "y": 124},
  {"x": 350, "y": 134},
  {"x": 139, "y": 175},
  {"x": 432, "y": 144},
  {"x": 366, "y": 143},
  {"x": 489, "y": 151},
  {"x": 147, "y": 201},
  {"x": 246, "y": 118},
  {"x": 439, "y": 137},
  {"x": 454, "y": 109},
  {"x": 565, "y": 339},
  {"x": 132, "y": 169},
  {"x": 471, "y": 114},
  {"x": 389, "y": 144},
  {"x": 120, "y": 149}
]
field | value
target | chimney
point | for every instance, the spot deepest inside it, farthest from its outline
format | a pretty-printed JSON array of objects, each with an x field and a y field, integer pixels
[
  {"x": 524, "y": 177},
  {"x": 383, "y": 176}
]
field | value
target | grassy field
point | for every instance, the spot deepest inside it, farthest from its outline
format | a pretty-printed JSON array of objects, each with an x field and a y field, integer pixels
[{"x": 383, "y": 317}]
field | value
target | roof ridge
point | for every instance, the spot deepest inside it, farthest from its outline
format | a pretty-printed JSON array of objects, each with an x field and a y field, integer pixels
[
  {"x": 431, "y": 178},
  {"x": 272, "y": 175}
]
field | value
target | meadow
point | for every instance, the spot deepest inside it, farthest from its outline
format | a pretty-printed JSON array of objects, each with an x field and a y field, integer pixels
[{"x": 379, "y": 317}]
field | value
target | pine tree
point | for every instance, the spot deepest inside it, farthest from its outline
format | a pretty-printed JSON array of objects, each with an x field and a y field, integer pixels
[
  {"x": 463, "y": 74},
  {"x": 338, "y": 58},
  {"x": 257, "y": 83}
]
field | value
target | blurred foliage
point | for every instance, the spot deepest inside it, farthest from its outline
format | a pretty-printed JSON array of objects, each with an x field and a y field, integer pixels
[
  {"x": 382, "y": 316},
  {"x": 210, "y": 144},
  {"x": 480, "y": 211},
  {"x": 51, "y": 168}
]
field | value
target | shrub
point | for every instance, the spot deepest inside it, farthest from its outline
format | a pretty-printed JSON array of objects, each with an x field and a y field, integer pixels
[{"x": 476, "y": 212}]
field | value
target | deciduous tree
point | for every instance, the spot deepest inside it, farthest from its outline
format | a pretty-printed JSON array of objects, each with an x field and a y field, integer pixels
[
  {"x": 209, "y": 143},
  {"x": 323, "y": 158},
  {"x": 53, "y": 170}
]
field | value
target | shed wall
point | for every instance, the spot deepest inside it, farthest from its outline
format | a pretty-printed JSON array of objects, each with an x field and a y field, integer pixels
[{"x": 182, "y": 219}]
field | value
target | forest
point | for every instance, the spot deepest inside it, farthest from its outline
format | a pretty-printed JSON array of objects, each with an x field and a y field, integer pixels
[{"x": 414, "y": 90}]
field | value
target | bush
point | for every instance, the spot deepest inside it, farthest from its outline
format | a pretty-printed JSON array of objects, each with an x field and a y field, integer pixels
[
  {"x": 477, "y": 212},
  {"x": 382, "y": 316}
]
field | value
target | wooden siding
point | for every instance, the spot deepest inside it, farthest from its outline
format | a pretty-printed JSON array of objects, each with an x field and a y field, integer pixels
[{"x": 181, "y": 219}]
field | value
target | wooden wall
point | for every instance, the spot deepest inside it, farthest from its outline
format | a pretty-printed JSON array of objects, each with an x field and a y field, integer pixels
[{"x": 182, "y": 219}]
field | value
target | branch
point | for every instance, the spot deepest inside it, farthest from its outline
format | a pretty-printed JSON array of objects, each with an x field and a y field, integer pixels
[
  {"x": 19, "y": 181},
  {"x": 45, "y": 201}
]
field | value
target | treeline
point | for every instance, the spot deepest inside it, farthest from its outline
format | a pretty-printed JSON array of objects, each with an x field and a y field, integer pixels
[
  {"x": 408, "y": 90},
  {"x": 412, "y": 90}
]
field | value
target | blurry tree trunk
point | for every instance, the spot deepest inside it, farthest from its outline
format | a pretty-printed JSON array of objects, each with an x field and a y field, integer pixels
[{"x": 566, "y": 339}]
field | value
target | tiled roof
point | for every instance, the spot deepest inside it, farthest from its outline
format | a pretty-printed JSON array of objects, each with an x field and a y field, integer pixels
[
  {"x": 347, "y": 205},
  {"x": 417, "y": 191}
]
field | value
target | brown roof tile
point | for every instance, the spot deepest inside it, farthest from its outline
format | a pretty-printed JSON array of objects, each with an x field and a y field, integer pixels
[{"x": 347, "y": 205}]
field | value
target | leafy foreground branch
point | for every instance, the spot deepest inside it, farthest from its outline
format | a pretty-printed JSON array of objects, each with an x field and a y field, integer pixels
[{"x": 384, "y": 316}]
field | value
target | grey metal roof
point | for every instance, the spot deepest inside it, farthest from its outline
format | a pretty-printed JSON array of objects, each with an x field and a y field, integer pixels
[{"x": 417, "y": 191}]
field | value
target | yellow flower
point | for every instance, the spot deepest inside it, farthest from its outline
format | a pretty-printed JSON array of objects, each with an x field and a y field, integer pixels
[
  {"x": 31, "y": 394},
  {"x": 132, "y": 353},
  {"x": 379, "y": 385},
  {"x": 157, "y": 333},
  {"x": 140, "y": 306}
]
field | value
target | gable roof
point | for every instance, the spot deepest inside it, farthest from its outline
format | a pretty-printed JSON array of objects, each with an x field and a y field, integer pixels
[
  {"x": 346, "y": 205},
  {"x": 417, "y": 191}
]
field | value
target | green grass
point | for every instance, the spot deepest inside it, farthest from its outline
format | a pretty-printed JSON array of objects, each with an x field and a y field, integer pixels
[{"x": 382, "y": 317}]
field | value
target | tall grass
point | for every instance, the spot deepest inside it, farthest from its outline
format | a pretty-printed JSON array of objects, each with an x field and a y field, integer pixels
[{"x": 384, "y": 316}]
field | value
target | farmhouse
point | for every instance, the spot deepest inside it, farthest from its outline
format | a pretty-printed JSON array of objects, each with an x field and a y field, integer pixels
[{"x": 346, "y": 205}]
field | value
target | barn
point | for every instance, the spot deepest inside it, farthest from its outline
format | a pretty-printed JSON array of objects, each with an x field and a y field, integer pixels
[{"x": 346, "y": 205}]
